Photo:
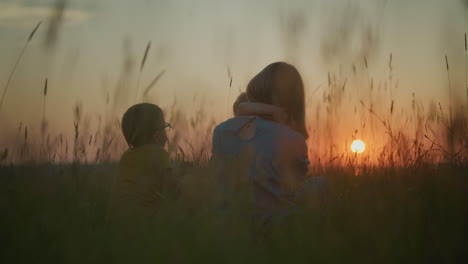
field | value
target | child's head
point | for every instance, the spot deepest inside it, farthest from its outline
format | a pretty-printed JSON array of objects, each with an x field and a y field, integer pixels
[
  {"x": 242, "y": 98},
  {"x": 144, "y": 124}
]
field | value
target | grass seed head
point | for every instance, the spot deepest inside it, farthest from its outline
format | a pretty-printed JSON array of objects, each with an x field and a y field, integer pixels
[
  {"x": 45, "y": 88},
  {"x": 34, "y": 31},
  {"x": 145, "y": 56},
  {"x": 447, "y": 63}
]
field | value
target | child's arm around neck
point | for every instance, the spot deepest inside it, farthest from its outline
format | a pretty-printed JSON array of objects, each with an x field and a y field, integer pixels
[{"x": 261, "y": 109}]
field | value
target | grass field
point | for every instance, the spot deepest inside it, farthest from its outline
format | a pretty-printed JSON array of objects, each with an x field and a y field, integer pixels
[
  {"x": 57, "y": 214},
  {"x": 404, "y": 200}
]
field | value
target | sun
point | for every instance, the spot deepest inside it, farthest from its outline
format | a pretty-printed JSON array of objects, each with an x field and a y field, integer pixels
[{"x": 358, "y": 146}]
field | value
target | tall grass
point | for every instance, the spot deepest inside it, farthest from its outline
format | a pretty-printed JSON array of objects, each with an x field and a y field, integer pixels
[
  {"x": 153, "y": 83},
  {"x": 449, "y": 89},
  {"x": 18, "y": 60},
  {"x": 142, "y": 66},
  {"x": 383, "y": 122},
  {"x": 403, "y": 202},
  {"x": 436, "y": 139},
  {"x": 388, "y": 215},
  {"x": 229, "y": 74},
  {"x": 466, "y": 72},
  {"x": 43, "y": 126}
]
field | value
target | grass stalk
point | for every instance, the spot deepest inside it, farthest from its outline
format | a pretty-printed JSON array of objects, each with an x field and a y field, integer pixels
[
  {"x": 371, "y": 86},
  {"x": 390, "y": 109},
  {"x": 43, "y": 130},
  {"x": 450, "y": 89},
  {"x": 153, "y": 83},
  {"x": 75, "y": 143},
  {"x": 142, "y": 66},
  {"x": 18, "y": 60},
  {"x": 229, "y": 91},
  {"x": 466, "y": 72}
]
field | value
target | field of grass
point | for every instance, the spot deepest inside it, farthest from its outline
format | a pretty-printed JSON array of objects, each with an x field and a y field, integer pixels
[
  {"x": 404, "y": 200},
  {"x": 57, "y": 214}
]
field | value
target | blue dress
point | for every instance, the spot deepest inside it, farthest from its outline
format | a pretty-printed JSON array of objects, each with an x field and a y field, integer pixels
[{"x": 274, "y": 159}]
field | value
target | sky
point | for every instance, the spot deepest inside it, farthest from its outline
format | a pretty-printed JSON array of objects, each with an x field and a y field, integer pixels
[{"x": 91, "y": 50}]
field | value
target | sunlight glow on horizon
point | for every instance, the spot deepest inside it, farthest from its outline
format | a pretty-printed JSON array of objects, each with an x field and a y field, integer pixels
[{"x": 358, "y": 146}]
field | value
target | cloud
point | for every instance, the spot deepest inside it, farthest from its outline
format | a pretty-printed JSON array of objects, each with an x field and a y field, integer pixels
[{"x": 12, "y": 14}]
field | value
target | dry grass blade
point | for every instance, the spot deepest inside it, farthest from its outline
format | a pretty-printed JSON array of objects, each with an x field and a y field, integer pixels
[
  {"x": 229, "y": 91},
  {"x": 10, "y": 77},
  {"x": 45, "y": 87},
  {"x": 390, "y": 66},
  {"x": 447, "y": 63},
  {"x": 449, "y": 88},
  {"x": 143, "y": 62},
  {"x": 43, "y": 126},
  {"x": 145, "y": 56},
  {"x": 229, "y": 76},
  {"x": 154, "y": 82},
  {"x": 34, "y": 31},
  {"x": 466, "y": 71}
]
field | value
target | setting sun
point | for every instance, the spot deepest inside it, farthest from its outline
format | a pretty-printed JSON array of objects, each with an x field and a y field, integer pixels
[{"x": 358, "y": 146}]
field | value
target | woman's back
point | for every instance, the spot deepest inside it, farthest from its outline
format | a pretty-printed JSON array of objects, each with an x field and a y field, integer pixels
[{"x": 274, "y": 156}]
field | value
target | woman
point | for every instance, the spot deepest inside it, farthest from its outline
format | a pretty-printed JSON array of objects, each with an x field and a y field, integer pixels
[{"x": 274, "y": 156}]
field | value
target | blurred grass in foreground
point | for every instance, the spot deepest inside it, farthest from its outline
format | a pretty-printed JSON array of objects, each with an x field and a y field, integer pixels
[{"x": 57, "y": 214}]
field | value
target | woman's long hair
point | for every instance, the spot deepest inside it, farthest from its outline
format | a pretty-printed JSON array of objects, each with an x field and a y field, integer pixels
[{"x": 280, "y": 84}]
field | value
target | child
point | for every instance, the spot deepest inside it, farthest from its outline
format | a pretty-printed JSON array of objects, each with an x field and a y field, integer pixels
[{"x": 145, "y": 168}]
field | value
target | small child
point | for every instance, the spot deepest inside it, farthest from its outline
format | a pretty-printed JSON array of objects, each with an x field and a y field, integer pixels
[{"x": 145, "y": 168}]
